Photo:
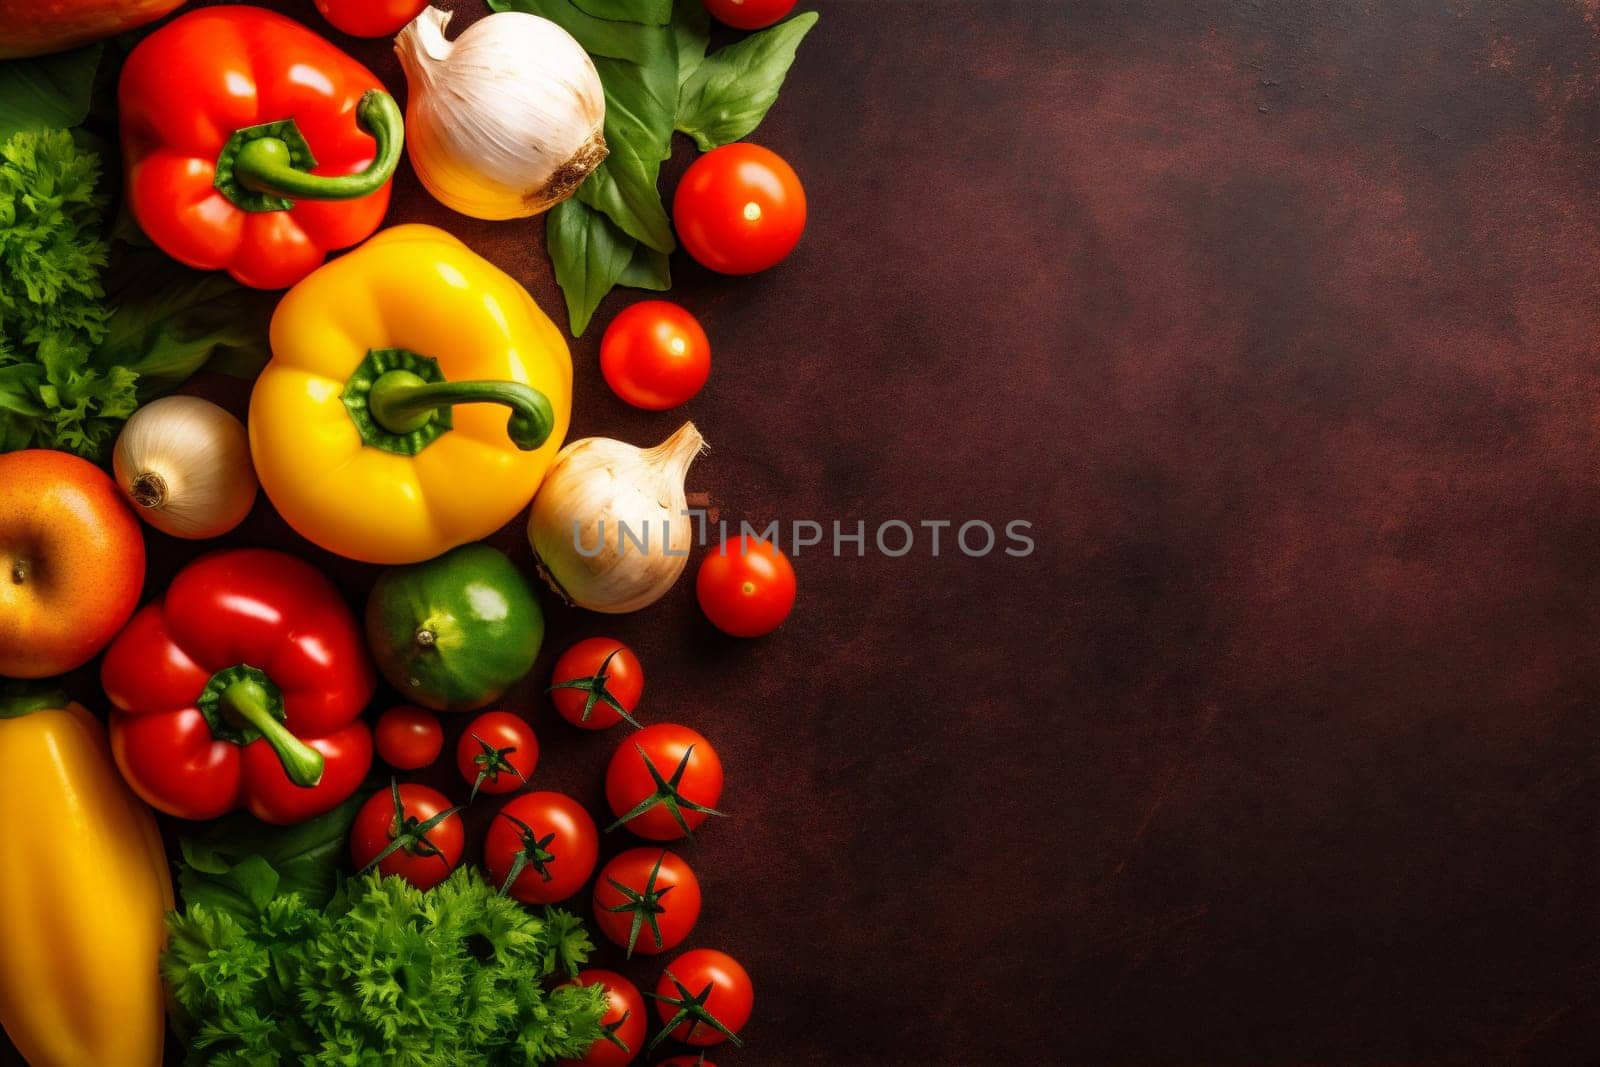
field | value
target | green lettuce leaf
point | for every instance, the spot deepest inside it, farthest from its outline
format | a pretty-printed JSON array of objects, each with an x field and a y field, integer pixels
[{"x": 169, "y": 321}]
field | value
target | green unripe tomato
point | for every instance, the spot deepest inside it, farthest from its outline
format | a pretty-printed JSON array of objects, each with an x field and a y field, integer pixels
[{"x": 456, "y": 632}]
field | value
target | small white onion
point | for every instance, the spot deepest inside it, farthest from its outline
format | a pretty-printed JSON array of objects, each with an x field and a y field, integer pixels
[
  {"x": 607, "y": 497},
  {"x": 505, "y": 121},
  {"x": 185, "y": 464}
]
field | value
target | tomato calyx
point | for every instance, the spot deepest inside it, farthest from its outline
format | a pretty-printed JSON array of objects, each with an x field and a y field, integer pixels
[
  {"x": 691, "y": 1009},
  {"x": 608, "y": 1031},
  {"x": 595, "y": 686},
  {"x": 492, "y": 762},
  {"x": 666, "y": 793},
  {"x": 410, "y": 833},
  {"x": 535, "y": 852},
  {"x": 645, "y": 906}
]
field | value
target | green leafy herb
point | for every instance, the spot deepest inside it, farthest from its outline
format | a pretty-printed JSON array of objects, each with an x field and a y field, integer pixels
[
  {"x": 730, "y": 93},
  {"x": 384, "y": 974},
  {"x": 691, "y": 26},
  {"x": 75, "y": 362},
  {"x": 47, "y": 92},
  {"x": 648, "y": 269},
  {"x": 589, "y": 253},
  {"x": 650, "y": 12},
  {"x": 238, "y": 864},
  {"x": 51, "y": 314}
]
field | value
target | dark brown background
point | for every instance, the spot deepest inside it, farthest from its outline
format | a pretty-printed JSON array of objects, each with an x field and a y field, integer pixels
[{"x": 1279, "y": 321}]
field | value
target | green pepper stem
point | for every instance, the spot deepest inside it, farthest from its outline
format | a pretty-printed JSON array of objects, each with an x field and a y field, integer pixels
[
  {"x": 24, "y": 698},
  {"x": 402, "y": 402},
  {"x": 265, "y": 166},
  {"x": 247, "y": 699}
]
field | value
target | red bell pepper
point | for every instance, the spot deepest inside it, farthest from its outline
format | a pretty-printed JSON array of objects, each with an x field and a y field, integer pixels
[
  {"x": 242, "y": 687},
  {"x": 242, "y": 130}
]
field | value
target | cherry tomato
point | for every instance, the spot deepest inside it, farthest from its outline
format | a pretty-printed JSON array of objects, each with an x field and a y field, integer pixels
[
  {"x": 739, "y": 209},
  {"x": 655, "y": 355},
  {"x": 410, "y": 831},
  {"x": 749, "y": 14},
  {"x": 647, "y": 900},
  {"x": 746, "y": 587},
  {"x": 497, "y": 752},
  {"x": 704, "y": 998},
  {"x": 409, "y": 738},
  {"x": 597, "y": 684},
  {"x": 683, "y": 789},
  {"x": 541, "y": 847},
  {"x": 371, "y": 18},
  {"x": 623, "y": 1023}
]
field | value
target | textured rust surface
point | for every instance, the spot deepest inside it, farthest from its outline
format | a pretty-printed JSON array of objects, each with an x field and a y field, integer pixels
[{"x": 1279, "y": 320}]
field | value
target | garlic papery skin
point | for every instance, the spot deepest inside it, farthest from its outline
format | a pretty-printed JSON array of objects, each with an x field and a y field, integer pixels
[
  {"x": 506, "y": 120},
  {"x": 600, "y": 501},
  {"x": 185, "y": 465}
]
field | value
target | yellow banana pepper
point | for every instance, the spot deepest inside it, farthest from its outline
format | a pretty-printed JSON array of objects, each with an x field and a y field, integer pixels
[
  {"x": 83, "y": 892},
  {"x": 355, "y": 426}
]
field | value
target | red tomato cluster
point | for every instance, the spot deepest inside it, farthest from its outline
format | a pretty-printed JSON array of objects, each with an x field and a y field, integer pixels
[{"x": 664, "y": 781}]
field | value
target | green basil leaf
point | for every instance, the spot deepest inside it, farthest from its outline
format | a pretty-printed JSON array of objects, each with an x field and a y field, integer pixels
[
  {"x": 728, "y": 96},
  {"x": 589, "y": 253},
  {"x": 46, "y": 92},
  {"x": 648, "y": 12},
  {"x": 648, "y": 269},
  {"x": 599, "y": 37},
  {"x": 691, "y": 28},
  {"x": 169, "y": 321},
  {"x": 640, "y": 104}
]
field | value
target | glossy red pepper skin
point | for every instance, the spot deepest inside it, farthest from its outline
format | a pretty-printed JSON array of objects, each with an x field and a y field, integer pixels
[
  {"x": 243, "y": 607},
  {"x": 184, "y": 92}
]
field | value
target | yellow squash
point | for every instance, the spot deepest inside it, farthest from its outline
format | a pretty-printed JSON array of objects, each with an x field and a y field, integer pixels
[
  {"x": 84, "y": 887},
  {"x": 415, "y": 398}
]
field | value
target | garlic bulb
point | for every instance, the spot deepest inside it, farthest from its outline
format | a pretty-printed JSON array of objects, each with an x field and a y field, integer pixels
[
  {"x": 610, "y": 525},
  {"x": 185, "y": 464},
  {"x": 505, "y": 121}
]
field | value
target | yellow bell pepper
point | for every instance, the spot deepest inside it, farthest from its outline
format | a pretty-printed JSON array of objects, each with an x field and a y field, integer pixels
[
  {"x": 354, "y": 424},
  {"x": 84, "y": 889}
]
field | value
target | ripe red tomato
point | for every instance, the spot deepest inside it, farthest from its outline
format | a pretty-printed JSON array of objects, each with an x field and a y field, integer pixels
[
  {"x": 497, "y": 752},
  {"x": 739, "y": 209},
  {"x": 371, "y": 18},
  {"x": 597, "y": 684},
  {"x": 409, "y": 738},
  {"x": 704, "y": 998},
  {"x": 749, "y": 14},
  {"x": 746, "y": 587},
  {"x": 623, "y": 1023},
  {"x": 647, "y": 900},
  {"x": 663, "y": 782},
  {"x": 541, "y": 847},
  {"x": 410, "y": 831},
  {"x": 655, "y": 355}
]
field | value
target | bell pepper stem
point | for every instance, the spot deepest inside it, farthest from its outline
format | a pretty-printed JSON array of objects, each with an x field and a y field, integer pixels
[
  {"x": 248, "y": 700},
  {"x": 18, "y": 698},
  {"x": 265, "y": 165},
  {"x": 401, "y": 402}
]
